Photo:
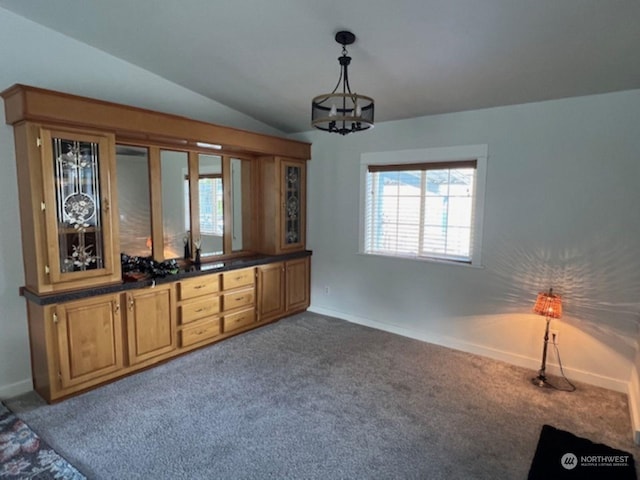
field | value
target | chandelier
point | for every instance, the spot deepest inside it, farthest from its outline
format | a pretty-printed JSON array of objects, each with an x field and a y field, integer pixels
[{"x": 342, "y": 112}]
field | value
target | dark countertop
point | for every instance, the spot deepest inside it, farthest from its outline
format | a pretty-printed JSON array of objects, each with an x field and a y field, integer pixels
[{"x": 191, "y": 271}]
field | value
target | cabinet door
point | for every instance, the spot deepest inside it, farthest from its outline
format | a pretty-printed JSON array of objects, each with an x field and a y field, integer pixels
[
  {"x": 271, "y": 284},
  {"x": 292, "y": 188},
  {"x": 151, "y": 329},
  {"x": 89, "y": 337},
  {"x": 297, "y": 292},
  {"x": 77, "y": 169}
]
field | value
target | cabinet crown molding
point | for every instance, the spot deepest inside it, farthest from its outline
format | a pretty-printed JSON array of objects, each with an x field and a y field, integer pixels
[{"x": 27, "y": 103}]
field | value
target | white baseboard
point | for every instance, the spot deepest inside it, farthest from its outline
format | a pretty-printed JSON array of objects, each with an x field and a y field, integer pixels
[
  {"x": 15, "y": 389},
  {"x": 633, "y": 397},
  {"x": 485, "y": 351}
]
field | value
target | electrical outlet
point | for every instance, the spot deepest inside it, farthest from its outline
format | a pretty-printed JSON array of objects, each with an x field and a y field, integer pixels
[
  {"x": 553, "y": 336},
  {"x": 327, "y": 291}
]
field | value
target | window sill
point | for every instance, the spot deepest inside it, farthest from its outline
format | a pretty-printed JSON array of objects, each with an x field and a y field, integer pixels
[{"x": 440, "y": 261}]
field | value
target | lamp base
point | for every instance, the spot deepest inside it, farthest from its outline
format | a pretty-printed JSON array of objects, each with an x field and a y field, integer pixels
[{"x": 540, "y": 381}]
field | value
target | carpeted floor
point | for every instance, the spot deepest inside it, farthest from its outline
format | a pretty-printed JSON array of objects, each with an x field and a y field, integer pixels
[{"x": 316, "y": 397}]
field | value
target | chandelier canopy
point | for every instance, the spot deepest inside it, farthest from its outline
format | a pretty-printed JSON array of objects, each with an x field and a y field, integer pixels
[{"x": 342, "y": 111}]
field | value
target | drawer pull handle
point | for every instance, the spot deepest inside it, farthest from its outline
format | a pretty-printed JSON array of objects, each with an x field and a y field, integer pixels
[
  {"x": 200, "y": 310},
  {"x": 198, "y": 287}
]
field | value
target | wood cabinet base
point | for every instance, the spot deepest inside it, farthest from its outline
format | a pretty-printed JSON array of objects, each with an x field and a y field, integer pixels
[{"x": 81, "y": 344}]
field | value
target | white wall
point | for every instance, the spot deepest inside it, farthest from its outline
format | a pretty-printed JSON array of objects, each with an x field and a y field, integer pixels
[
  {"x": 561, "y": 211},
  {"x": 37, "y": 56}
]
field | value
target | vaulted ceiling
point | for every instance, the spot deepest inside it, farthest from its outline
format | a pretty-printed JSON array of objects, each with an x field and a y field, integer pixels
[{"x": 268, "y": 58}]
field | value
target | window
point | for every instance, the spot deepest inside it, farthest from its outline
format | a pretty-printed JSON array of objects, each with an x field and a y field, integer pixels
[
  {"x": 211, "y": 204},
  {"x": 424, "y": 204}
]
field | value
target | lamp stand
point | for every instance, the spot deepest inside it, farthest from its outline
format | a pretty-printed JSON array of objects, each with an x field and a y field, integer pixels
[{"x": 541, "y": 379}]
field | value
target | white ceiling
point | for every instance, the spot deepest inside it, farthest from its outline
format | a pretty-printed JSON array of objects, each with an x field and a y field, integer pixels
[{"x": 268, "y": 58}]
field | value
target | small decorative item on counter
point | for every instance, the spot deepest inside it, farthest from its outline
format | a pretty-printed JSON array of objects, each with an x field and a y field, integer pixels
[
  {"x": 141, "y": 268},
  {"x": 187, "y": 248},
  {"x": 197, "y": 260}
]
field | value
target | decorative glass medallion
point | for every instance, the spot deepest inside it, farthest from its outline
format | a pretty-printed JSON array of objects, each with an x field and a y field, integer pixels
[{"x": 79, "y": 208}]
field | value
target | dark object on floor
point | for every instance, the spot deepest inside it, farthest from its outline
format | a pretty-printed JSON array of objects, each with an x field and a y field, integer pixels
[
  {"x": 25, "y": 455},
  {"x": 561, "y": 454}
]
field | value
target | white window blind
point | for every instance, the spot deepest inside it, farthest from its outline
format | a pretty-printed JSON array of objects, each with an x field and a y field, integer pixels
[
  {"x": 422, "y": 210},
  {"x": 211, "y": 204}
]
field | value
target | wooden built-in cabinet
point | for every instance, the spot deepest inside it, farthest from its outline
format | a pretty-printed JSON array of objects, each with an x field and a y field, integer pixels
[
  {"x": 83, "y": 343},
  {"x": 199, "y": 310},
  {"x": 76, "y": 344},
  {"x": 151, "y": 324},
  {"x": 271, "y": 288},
  {"x": 238, "y": 195},
  {"x": 238, "y": 299},
  {"x": 70, "y": 232},
  {"x": 297, "y": 292},
  {"x": 213, "y": 306},
  {"x": 89, "y": 339},
  {"x": 283, "y": 209},
  {"x": 283, "y": 288}
]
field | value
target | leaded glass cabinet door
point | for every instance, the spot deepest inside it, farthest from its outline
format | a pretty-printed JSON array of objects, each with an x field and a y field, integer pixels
[
  {"x": 293, "y": 177},
  {"x": 77, "y": 170}
]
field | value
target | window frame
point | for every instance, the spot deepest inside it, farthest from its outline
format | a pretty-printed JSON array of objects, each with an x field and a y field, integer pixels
[{"x": 439, "y": 155}]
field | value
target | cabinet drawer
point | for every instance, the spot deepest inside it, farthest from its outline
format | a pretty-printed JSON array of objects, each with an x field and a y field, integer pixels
[
  {"x": 243, "y": 298},
  {"x": 198, "y": 286},
  {"x": 237, "y": 278},
  {"x": 199, "y": 309},
  {"x": 201, "y": 331},
  {"x": 238, "y": 320}
]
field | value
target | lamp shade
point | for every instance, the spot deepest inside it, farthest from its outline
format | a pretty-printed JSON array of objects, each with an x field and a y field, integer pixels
[{"x": 548, "y": 304}]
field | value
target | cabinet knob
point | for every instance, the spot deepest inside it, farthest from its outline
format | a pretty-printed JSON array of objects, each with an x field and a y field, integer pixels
[
  {"x": 105, "y": 202},
  {"x": 116, "y": 308},
  {"x": 131, "y": 302}
]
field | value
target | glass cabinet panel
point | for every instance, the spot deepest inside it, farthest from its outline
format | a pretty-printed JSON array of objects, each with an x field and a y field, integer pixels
[
  {"x": 293, "y": 195},
  {"x": 78, "y": 205},
  {"x": 134, "y": 210},
  {"x": 211, "y": 205},
  {"x": 176, "y": 219},
  {"x": 241, "y": 205},
  {"x": 80, "y": 221}
]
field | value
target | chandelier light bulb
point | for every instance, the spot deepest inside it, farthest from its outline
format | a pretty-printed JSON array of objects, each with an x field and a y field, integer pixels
[{"x": 334, "y": 111}]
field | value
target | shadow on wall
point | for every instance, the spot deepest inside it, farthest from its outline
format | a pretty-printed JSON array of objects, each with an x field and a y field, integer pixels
[{"x": 599, "y": 284}]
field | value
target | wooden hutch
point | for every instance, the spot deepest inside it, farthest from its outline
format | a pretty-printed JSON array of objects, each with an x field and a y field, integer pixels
[{"x": 97, "y": 180}]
